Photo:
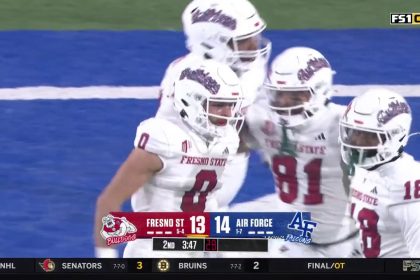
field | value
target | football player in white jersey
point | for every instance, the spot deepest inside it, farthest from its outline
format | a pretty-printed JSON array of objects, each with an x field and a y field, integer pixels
[
  {"x": 229, "y": 31},
  {"x": 179, "y": 162},
  {"x": 296, "y": 127},
  {"x": 385, "y": 188}
]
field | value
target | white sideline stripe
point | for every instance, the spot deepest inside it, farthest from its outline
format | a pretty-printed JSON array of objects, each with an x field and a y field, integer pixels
[
  {"x": 64, "y": 93},
  {"x": 151, "y": 92},
  {"x": 354, "y": 90}
]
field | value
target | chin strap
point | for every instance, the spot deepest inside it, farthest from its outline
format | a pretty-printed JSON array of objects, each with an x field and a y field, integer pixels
[
  {"x": 391, "y": 160},
  {"x": 400, "y": 151},
  {"x": 287, "y": 147}
]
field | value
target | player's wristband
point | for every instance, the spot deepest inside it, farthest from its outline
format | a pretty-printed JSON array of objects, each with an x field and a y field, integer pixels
[{"x": 102, "y": 252}]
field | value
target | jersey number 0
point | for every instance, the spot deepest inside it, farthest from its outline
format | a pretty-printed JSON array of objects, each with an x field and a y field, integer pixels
[{"x": 204, "y": 176}]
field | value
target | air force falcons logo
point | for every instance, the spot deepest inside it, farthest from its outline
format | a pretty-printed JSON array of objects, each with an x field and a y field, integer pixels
[{"x": 304, "y": 228}]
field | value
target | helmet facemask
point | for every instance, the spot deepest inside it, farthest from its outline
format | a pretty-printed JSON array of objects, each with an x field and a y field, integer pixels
[
  {"x": 290, "y": 107},
  {"x": 248, "y": 51},
  {"x": 366, "y": 147},
  {"x": 211, "y": 124}
]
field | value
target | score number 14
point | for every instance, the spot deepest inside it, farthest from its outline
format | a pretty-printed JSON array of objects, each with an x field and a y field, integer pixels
[
  {"x": 198, "y": 224},
  {"x": 222, "y": 224}
]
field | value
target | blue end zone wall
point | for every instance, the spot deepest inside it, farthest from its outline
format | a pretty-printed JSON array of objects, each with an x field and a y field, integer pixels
[{"x": 57, "y": 156}]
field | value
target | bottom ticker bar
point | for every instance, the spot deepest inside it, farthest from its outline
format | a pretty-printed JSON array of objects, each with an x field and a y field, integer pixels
[
  {"x": 210, "y": 265},
  {"x": 278, "y": 266},
  {"x": 16, "y": 265},
  {"x": 198, "y": 265},
  {"x": 81, "y": 265},
  {"x": 326, "y": 265}
]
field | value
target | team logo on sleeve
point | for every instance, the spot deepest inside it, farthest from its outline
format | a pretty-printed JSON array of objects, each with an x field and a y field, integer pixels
[{"x": 117, "y": 230}]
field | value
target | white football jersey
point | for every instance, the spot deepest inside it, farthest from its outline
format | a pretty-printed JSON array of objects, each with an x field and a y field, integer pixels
[
  {"x": 192, "y": 167},
  {"x": 306, "y": 168},
  {"x": 386, "y": 207}
]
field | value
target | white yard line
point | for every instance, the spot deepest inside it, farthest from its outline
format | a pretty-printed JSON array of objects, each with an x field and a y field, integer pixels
[{"x": 151, "y": 92}]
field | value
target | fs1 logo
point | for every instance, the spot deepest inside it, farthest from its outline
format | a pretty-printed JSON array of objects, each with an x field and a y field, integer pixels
[
  {"x": 411, "y": 265},
  {"x": 412, "y": 18}
]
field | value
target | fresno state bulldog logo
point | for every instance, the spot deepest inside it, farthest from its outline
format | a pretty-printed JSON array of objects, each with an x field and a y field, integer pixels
[{"x": 117, "y": 230}]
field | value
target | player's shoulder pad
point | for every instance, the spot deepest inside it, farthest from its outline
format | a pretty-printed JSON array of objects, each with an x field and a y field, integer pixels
[
  {"x": 153, "y": 136},
  {"x": 257, "y": 113},
  {"x": 251, "y": 83},
  {"x": 335, "y": 112},
  {"x": 405, "y": 171},
  {"x": 180, "y": 62},
  {"x": 337, "y": 109}
]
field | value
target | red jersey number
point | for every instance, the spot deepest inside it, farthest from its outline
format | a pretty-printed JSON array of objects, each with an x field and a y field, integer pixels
[{"x": 195, "y": 199}]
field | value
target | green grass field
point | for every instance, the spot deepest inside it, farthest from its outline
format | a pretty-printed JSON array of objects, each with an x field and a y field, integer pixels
[{"x": 165, "y": 14}]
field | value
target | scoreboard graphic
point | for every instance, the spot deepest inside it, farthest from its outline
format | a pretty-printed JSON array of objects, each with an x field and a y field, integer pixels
[
  {"x": 207, "y": 232},
  {"x": 210, "y": 244},
  {"x": 218, "y": 231}
]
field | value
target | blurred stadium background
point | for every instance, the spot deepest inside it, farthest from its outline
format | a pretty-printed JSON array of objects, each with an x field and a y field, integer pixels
[{"x": 57, "y": 155}]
